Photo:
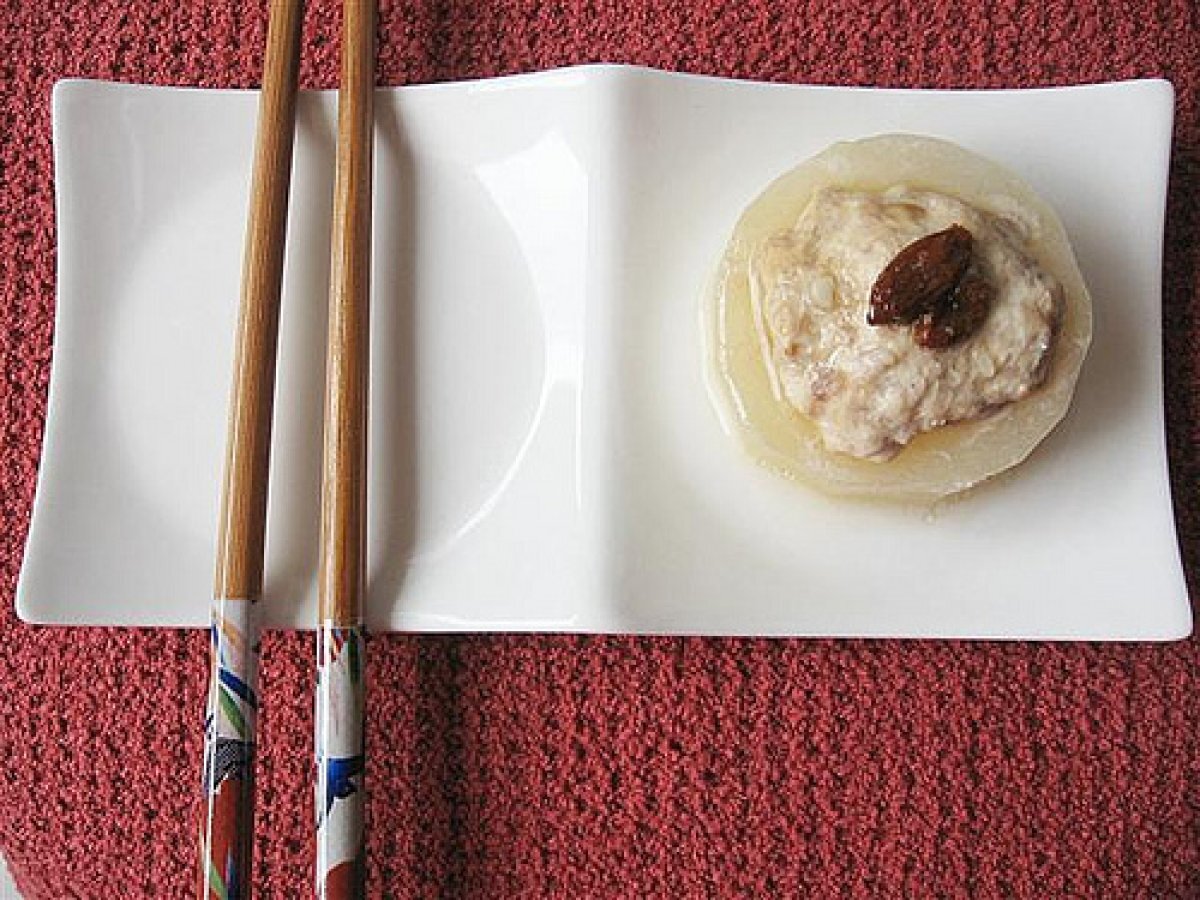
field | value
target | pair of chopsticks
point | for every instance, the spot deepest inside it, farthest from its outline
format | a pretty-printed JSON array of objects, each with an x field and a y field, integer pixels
[{"x": 227, "y": 838}]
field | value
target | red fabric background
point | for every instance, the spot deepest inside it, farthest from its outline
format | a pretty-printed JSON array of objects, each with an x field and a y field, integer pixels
[{"x": 612, "y": 767}]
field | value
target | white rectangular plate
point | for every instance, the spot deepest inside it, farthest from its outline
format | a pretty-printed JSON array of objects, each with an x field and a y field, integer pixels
[{"x": 544, "y": 453}]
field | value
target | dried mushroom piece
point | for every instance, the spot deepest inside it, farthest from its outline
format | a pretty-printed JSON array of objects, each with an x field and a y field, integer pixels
[
  {"x": 956, "y": 316},
  {"x": 920, "y": 276},
  {"x": 928, "y": 285}
]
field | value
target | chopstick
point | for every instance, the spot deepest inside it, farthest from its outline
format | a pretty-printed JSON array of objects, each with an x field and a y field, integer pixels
[
  {"x": 227, "y": 838},
  {"x": 340, "y": 870}
]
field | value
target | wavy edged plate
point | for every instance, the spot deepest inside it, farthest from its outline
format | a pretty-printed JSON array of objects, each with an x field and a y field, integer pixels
[{"x": 544, "y": 453}]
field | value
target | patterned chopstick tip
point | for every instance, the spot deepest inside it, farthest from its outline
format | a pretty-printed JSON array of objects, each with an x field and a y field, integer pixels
[
  {"x": 230, "y": 730},
  {"x": 340, "y": 761}
]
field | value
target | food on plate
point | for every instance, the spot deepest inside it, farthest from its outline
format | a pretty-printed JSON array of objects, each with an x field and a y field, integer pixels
[{"x": 897, "y": 317}]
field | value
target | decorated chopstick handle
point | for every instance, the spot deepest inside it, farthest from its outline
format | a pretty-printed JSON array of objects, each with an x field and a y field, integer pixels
[
  {"x": 230, "y": 726},
  {"x": 340, "y": 759}
]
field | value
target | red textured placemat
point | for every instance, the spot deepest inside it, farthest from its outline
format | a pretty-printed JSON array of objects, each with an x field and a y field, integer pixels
[{"x": 613, "y": 767}]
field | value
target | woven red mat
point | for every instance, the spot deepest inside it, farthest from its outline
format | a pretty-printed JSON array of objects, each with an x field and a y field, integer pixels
[{"x": 614, "y": 767}]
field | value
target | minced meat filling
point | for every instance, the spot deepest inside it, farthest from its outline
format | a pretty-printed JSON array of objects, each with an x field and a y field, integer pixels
[{"x": 871, "y": 389}]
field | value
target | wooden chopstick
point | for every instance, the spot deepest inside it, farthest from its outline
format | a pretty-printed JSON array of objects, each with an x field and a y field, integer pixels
[
  {"x": 227, "y": 839},
  {"x": 340, "y": 870}
]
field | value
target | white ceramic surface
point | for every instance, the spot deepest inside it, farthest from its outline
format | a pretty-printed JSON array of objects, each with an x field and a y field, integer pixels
[
  {"x": 544, "y": 454},
  {"x": 8, "y": 888}
]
